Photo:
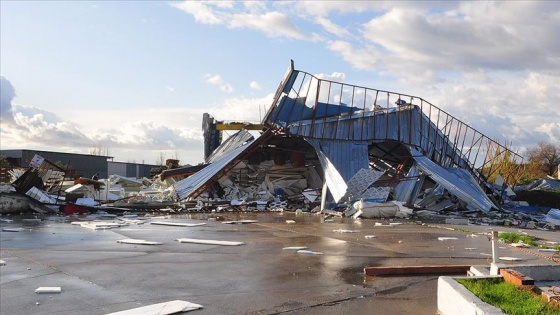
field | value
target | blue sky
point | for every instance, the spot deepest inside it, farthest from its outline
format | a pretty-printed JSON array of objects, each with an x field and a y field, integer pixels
[{"x": 133, "y": 78}]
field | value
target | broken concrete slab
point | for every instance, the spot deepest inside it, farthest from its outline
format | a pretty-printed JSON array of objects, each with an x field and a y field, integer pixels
[
  {"x": 209, "y": 242},
  {"x": 48, "y": 290},
  {"x": 165, "y": 308},
  {"x": 177, "y": 224},
  {"x": 138, "y": 242}
]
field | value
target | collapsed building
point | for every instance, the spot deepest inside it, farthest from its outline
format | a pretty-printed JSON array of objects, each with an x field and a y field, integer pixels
[{"x": 329, "y": 143}]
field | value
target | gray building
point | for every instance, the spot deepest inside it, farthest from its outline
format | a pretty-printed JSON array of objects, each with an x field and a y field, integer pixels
[
  {"x": 131, "y": 169},
  {"x": 81, "y": 165},
  {"x": 77, "y": 165}
]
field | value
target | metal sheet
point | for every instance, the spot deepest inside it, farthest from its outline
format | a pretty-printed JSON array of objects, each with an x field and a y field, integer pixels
[
  {"x": 457, "y": 181},
  {"x": 335, "y": 182},
  {"x": 230, "y": 144},
  {"x": 187, "y": 186}
]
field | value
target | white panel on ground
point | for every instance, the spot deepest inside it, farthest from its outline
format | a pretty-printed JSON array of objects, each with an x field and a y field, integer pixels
[
  {"x": 208, "y": 242},
  {"x": 177, "y": 224},
  {"x": 48, "y": 290},
  {"x": 166, "y": 308},
  {"x": 138, "y": 242}
]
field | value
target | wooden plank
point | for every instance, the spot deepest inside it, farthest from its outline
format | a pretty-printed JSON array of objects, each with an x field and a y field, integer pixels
[
  {"x": 165, "y": 308},
  {"x": 410, "y": 270}
]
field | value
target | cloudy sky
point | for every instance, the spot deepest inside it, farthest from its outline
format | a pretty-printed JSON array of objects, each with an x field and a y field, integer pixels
[{"x": 131, "y": 79}]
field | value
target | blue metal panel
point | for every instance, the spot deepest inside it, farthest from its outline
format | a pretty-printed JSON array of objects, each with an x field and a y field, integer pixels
[{"x": 348, "y": 157}]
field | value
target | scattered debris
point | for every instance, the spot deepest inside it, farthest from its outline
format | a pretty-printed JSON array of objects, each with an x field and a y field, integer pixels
[
  {"x": 510, "y": 258},
  {"x": 370, "y": 236},
  {"x": 295, "y": 248},
  {"x": 177, "y": 224},
  {"x": 379, "y": 224},
  {"x": 208, "y": 242},
  {"x": 98, "y": 225},
  {"x": 137, "y": 242},
  {"x": 290, "y": 221},
  {"x": 345, "y": 231},
  {"x": 12, "y": 229},
  {"x": 166, "y": 308},
  {"x": 48, "y": 290},
  {"x": 2, "y": 263},
  {"x": 446, "y": 238},
  {"x": 241, "y": 222},
  {"x": 310, "y": 252}
]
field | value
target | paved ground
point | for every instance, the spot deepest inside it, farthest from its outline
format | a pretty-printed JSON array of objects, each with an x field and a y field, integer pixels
[{"x": 99, "y": 275}]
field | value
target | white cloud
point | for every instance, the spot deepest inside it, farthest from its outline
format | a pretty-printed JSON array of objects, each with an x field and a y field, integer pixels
[
  {"x": 242, "y": 109},
  {"x": 274, "y": 24},
  {"x": 132, "y": 140},
  {"x": 170, "y": 88},
  {"x": 218, "y": 81},
  {"x": 255, "y": 85},
  {"x": 331, "y": 27},
  {"x": 335, "y": 76},
  {"x": 243, "y": 15},
  {"x": 200, "y": 11}
]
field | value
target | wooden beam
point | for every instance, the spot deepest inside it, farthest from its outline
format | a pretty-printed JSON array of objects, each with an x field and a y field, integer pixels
[{"x": 415, "y": 270}]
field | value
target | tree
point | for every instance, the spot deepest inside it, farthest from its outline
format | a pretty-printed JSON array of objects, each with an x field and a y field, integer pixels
[
  {"x": 544, "y": 157},
  {"x": 4, "y": 163}
]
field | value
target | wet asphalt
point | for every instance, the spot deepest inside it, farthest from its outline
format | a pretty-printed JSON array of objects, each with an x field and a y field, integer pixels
[{"x": 98, "y": 275}]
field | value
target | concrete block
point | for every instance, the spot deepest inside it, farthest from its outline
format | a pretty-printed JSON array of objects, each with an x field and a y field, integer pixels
[{"x": 454, "y": 299}]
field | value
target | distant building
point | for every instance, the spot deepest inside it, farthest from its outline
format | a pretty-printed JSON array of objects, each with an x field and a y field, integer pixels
[
  {"x": 79, "y": 165},
  {"x": 131, "y": 169}
]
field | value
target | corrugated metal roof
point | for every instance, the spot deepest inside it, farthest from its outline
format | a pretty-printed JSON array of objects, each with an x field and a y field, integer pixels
[
  {"x": 458, "y": 182},
  {"x": 189, "y": 185},
  {"x": 231, "y": 143}
]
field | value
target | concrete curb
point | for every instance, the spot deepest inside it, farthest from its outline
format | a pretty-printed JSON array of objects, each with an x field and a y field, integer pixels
[{"x": 454, "y": 299}]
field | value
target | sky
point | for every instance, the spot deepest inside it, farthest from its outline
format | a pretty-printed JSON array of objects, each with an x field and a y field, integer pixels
[{"x": 132, "y": 79}]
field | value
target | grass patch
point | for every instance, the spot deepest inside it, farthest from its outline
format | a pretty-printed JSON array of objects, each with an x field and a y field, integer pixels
[
  {"x": 510, "y": 237},
  {"x": 511, "y": 299}
]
